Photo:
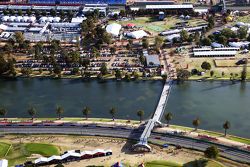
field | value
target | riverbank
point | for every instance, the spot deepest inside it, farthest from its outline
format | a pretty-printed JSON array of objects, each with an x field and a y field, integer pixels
[
  {"x": 229, "y": 139},
  {"x": 112, "y": 77},
  {"x": 29, "y": 147}
]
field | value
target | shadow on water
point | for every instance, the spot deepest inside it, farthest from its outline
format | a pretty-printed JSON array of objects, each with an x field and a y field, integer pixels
[{"x": 223, "y": 84}]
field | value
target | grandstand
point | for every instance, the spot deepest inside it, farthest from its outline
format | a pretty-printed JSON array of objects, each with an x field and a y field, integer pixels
[{"x": 78, "y": 2}]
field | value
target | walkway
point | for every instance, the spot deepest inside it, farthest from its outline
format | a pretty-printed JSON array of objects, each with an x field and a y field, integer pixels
[{"x": 143, "y": 143}]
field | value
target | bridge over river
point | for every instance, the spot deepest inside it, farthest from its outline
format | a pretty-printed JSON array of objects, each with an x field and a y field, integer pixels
[{"x": 142, "y": 145}]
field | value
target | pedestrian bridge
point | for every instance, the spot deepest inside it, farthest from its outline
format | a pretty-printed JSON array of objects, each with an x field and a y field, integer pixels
[{"x": 142, "y": 145}]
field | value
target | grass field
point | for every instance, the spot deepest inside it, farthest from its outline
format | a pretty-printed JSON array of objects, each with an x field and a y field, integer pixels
[
  {"x": 20, "y": 152},
  {"x": 162, "y": 164},
  {"x": 42, "y": 149},
  {"x": 154, "y": 26},
  {"x": 196, "y": 163},
  {"x": 3, "y": 149},
  {"x": 244, "y": 19}
]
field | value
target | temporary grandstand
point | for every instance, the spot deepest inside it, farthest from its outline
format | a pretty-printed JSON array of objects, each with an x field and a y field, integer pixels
[
  {"x": 215, "y": 52},
  {"x": 77, "y": 2},
  {"x": 72, "y": 155}
]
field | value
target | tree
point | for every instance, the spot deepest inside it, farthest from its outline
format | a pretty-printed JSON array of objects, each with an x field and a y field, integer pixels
[
  {"x": 3, "y": 112},
  {"x": 113, "y": 111},
  {"x": 112, "y": 50},
  {"x": 206, "y": 66},
  {"x": 211, "y": 73},
  {"x": 122, "y": 13},
  {"x": 243, "y": 75},
  {"x": 26, "y": 71},
  {"x": 212, "y": 152},
  {"x": 184, "y": 35},
  {"x": 142, "y": 60},
  {"x": 158, "y": 42},
  {"x": 32, "y": 112},
  {"x": 183, "y": 74},
  {"x": 140, "y": 114},
  {"x": 53, "y": 12},
  {"x": 19, "y": 37},
  {"x": 86, "y": 111},
  {"x": 127, "y": 77},
  {"x": 206, "y": 41},
  {"x": 29, "y": 11},
  {"x": 57, "y": 69},
  {"x": 168, "y": 117},
  {"x": 145, "y": 43},
  {"x": 135, "y": 75},
  {"x": 226, "y": 126},
  {"x": 59, "y": 111},
  {"x": 104, "y": 69},
  {"x": 197, "y": 37},
  {"x": 242, "y": 32},
  {"x": 222, "y": 40},
  {"x": 196, "y": 123},
  {"x": 20, "y": 12},
  {"x": 211, "y": 22},
  {"x": 118, "y": 74},
  {"x": 228, "y": 33}
]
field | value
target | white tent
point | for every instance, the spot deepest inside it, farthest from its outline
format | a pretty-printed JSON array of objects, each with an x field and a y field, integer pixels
[
  {"x": 78, "y": 19},
  {"x": 113, "y": 29},
  {"x": 137, "y": 34},
  {"x": 32, "y": 19},
  {"x": 12, "y": 18},
  {"x": 239, "y": 44},
  {"x": 171, "y": 37},
  {"x": 217, "y": 45},
  {"x": 56, "y": 19},
  {"x": 26, "y": 18},
  {"x": 5, "y": 18},
  {"x": 3, "y": 27},
  {"x": 3, "y": 163}
]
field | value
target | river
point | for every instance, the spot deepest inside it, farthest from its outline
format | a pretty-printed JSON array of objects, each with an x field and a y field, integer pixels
[{"x": 213, "y": 102}]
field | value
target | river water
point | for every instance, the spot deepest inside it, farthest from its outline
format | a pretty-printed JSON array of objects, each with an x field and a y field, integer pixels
[{"x": 212, "y": 102}]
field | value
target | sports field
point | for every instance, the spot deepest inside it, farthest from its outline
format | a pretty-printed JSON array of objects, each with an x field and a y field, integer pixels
[{"x": 154, "y": 26}]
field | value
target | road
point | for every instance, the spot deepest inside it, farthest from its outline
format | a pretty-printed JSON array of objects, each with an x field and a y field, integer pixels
[{"x": 124, "y": 132}]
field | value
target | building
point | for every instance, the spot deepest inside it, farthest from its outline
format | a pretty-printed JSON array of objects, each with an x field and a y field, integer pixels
[
  {"x": 152, "y": 60},
  {"x": 215, "y": 52}
]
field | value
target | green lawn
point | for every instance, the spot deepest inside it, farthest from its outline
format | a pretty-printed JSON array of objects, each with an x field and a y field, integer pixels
[
  {"x": 203, "y": 163},
  {"x": 20, "y": 153},
  {"x": 42, "y": 149},
  {"x": 3, "y": 149},
  {"x": 162, "y": 164}
]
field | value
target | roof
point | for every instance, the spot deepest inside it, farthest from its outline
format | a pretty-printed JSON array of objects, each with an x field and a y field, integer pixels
[
  {"x": 3, "y": 163},
  {"x": 137, "y": 34},
  {"x": 3, "y": 27},
  {"x": 78, "y": 19},
  {"x": 187, "y": 6},
  {"x": 152, "y": 59},
  {"x": 40, "y": 160},
  {"x": 215, "y": 53},
  {"x": 113, "y": 29},
  {"x": 238, "y": 44}
]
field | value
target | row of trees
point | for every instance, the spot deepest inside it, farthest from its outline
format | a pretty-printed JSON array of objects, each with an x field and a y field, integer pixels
[
  {"x": 113, "y": 111},
  {"x": 86, "y": 111},
  {"x": 196, "y": 122}
]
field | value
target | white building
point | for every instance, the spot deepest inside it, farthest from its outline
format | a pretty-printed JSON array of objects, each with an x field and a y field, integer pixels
[
  {"x": 215, "y": 52},
  {"x": 113, "y": 29},
  {"x": 137, "y": 34}
]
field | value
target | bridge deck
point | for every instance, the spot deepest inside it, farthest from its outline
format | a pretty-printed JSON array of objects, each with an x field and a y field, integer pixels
[{"x": 158, "y": 113}]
